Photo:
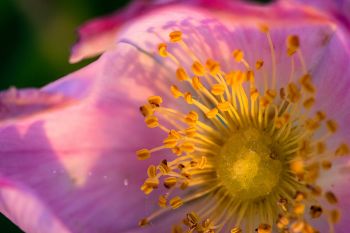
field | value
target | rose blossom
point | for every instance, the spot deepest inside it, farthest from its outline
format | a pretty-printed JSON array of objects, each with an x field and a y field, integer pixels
[{"x": 250, "y": 105}]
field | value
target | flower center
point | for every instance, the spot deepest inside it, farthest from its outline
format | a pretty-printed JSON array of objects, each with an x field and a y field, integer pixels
[
  {"x": 248, "y": 165},
  {"x": 250, "y": 149}
]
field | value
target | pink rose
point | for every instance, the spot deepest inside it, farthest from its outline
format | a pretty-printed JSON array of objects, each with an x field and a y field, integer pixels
[{"x": 265, "y": 146}]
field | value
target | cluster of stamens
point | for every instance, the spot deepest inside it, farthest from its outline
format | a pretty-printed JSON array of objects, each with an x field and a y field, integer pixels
[{"x": 252, "y": 152}]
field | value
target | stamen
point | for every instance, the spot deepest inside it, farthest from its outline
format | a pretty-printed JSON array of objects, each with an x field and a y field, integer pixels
[{"x": 253, "y": 155}]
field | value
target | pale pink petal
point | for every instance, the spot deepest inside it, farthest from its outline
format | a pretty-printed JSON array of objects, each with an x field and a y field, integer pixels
[
  {"x": 339, "y": 9},
  {"x": 97, "y": 35}
]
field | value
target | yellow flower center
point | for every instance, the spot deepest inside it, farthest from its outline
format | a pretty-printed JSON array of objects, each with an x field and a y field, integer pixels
[
  {"x": 252, "y": 150},
  {"x": 248, "y": 165}
]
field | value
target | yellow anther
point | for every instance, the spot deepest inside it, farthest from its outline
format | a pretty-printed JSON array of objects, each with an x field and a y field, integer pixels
[
  {"x": 315, "y": 189},
  {"x": 175, "y": 36},
  {"x": 264, "y": 28},
  {"x": 299, "y": 209},
  {"x": 321, "y": 147},
  {"x": 175, "y": 91},
  {"x": 164, "y": 168},
  {"x": 311, "y": 124},
  {"x": 151, "y": 171},
  {"x": 293, "y": 92},
  {"x": 306, "y": 82},
  {"x": 143, "y": 222},
  {"x": 212, "y": 113},
  {"x": 299, "y": 196},
  {"x": 309, "y": 229},
  {"x": 191, "y": 132},
  {"x": 188, "y": 98},
  {"x": 331, "y": 198},
  {"x": 181, "y": 74},
  {"x": 187, "y": 174},
  {"x": 343, "y": 149},
  {"x": 230, "y": 78},
  {"x": 236, "y": 230},
  {"x": 334, "y": 216},
  {"x": 238, "y": 55},
  {"x": 320, "y": 115},
  {"x": 151, "y": 121},
  {"x": 308, "y": 103},
  {"x": 259, "y": 64},
  {"x": 162, "y": 201},
  {"x": 297, "y": 226},
  {"x": 147, "y": 110},
  {"x": 292, "y": 44},
  {"x": 196, "y": 83},
  {"x": 174, "y": 134},
  {"x": 192, "y": 218},
  {"x": 143, "y": 154},
  {"x": 184, "y": 185},
  {"x": 240, "y": 77},
  {"x": 332, "y": 126},
  {"x": 213, "y": 67},
  {"x": 155, "y": 100},
  {"x": 224, "y": 106},
  {"x": 251, "y": 77},
  {"x": 152, "y": 182},
  {"x": 170, "y": 182},
  {"x": 270, "y": 94},
  {"x": 254, "y": 93},
  {"x": 191, "y": 118},
  {"x": 315, "y": 211},
  {"x": 218, "y": 89},
  {"x": 198, "y": 68},
  {"x": 282, "y": 222},
  {"x": 162, "y": 50},
  {"x": 283, "y": 93},
  {"x": 297, "y": 166},
  {"x": 187, "y": 147},
  {"x": 326, "y": 164},
  {"x": 146, "y": 189},
  {"x": 170, "y": 142},
  {"x": 176, "y": 150},
  {"x": 264, "y": 228},
  {"x": 193, "y": 163},
  {"x": 176, "y": 202}
]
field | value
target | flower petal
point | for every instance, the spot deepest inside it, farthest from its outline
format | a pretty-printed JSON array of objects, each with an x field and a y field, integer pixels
[
  {"x": 79, "y": 161},
  {"x": 97, "y": 35},
  {"x": 339, "y": 9},
  {"x": 22, "y": 206}
]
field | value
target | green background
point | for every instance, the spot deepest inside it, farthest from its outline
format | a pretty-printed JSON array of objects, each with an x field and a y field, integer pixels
[{"x": 36, "y": 40}]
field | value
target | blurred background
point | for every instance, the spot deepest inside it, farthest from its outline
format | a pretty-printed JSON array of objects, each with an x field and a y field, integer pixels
[{"x": 36, "y": 40}]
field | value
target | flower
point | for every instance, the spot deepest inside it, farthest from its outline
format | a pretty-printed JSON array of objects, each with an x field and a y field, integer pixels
[{"x": 68, "y": 150}]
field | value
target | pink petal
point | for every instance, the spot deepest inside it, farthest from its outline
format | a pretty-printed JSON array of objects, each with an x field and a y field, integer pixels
[
  {"x": 26, "y": 202},
  {"x": 339, "y": 9},
  {"x": 77, "y": 162},
  {"x": 97, "y": 35}
]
